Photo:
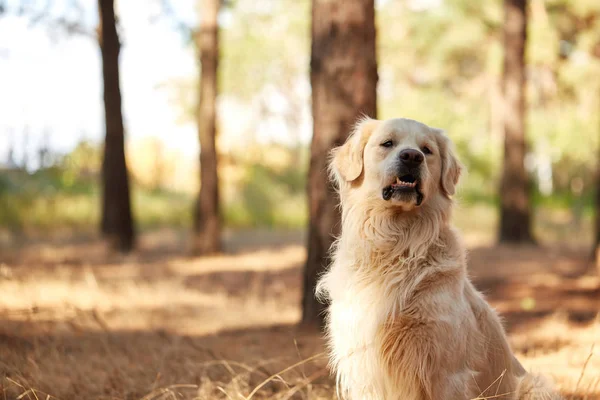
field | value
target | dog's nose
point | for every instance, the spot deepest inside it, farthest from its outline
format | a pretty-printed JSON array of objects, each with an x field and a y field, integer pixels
[{"x": 411, "y": 157}]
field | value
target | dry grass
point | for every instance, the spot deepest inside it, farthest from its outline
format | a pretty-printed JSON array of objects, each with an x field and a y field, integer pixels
[{"x": 79, "y": 323}]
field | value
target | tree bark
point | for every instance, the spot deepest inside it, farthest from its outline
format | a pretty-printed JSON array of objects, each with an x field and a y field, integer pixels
[
  {"x": 515, "y": 218},
  {"x": 207, "y": 224},
  {"x": 117, "y": 220},
  {"x": 344, "y": 80}
]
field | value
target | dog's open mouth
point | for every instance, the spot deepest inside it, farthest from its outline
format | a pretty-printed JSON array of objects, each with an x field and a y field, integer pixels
[
  {"x": 407, "y": 181},
  {"x": 405, "y": 187}
]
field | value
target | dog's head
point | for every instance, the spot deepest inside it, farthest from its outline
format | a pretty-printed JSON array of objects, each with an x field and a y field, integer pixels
[{"x": 399, "y": 163}]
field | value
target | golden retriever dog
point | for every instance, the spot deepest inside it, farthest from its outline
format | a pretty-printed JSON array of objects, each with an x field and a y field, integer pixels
[{"x": 404, "y": 321}]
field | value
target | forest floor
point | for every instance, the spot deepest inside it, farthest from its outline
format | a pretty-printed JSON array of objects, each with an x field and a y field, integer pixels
[{"x": 77, "y": 322}]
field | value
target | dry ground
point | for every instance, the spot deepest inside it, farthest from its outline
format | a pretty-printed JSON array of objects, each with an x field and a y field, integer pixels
[{"x": 79, "y": 323}]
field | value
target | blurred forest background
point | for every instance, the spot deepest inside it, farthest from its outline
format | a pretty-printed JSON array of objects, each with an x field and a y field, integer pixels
[
  {"x": 191, "y": 135},
  {"x": 439, "y": 62}
]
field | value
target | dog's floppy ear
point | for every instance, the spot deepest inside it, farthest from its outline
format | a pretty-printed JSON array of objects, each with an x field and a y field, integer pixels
[
  {"x": 347, "y": 160},
  {"x": 451, "y": 167}
]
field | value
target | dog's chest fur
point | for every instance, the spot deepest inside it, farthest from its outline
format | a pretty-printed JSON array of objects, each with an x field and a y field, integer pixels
[{"x": 357, "y": 312}]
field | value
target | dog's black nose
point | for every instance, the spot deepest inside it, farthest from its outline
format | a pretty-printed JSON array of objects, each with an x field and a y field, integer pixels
[{"x": 411, "y": 157}]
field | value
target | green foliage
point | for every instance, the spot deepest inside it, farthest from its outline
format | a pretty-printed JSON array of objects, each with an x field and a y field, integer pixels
[
  {"x": 269, "y": 197},
  {"x": 67, "y": 196},
  {"x": 265, "y": 43},
  {"x": 44, "y": 200},
  {"x": 49, "y": 200}
]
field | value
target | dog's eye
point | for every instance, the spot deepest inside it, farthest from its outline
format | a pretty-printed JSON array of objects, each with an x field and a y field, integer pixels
[
  {"x": 426, "y": 150},
  {"x": 388, "y": 143}
]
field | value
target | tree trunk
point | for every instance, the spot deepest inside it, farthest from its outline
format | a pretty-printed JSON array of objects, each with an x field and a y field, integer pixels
[
  {"x": 207, "y": 224},
  {"x": 117, "y": 221},
  {"x": 344, "y": 80},
  {"x": 515, "y": 220},
  {"x": 597, "y": 222}
]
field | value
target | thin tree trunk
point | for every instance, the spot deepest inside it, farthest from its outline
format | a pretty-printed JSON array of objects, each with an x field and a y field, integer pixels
[
  {"x": 515, "y": 219},
  {"x": 597, "y": 222},
  {"x": 117, "y": 220},
  {"x": 596, "y": 52},
  {"x": 207, "y": 224},
  {"x": 344, "y": 80}
]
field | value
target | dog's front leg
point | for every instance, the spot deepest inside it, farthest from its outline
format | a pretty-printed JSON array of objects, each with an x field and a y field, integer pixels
[{"x": 415, "y": 365}]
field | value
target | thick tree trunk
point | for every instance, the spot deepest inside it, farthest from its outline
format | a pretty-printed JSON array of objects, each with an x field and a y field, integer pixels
[
  {"x": 344, "y": 79},
  {"x": 207, "y": 224},
  {"x": 515, "y": 219},
  {"x": 117, "y": 220}
]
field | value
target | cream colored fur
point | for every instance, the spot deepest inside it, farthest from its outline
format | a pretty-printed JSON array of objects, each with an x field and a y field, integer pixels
[{"x": 404, "y": 321}]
